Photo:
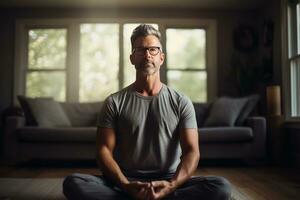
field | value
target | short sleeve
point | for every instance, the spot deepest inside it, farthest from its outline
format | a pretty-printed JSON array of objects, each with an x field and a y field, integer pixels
[
  {"x": 107, "y": 115},
  {"x": 187, "y": 114}
]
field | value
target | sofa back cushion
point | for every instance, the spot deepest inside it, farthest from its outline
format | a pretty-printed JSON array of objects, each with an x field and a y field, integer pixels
[
  {"x": 225, "y": 111},
  {"x": 48, "y": 113},
  {"x": 201, "y": 110},
  {"x": 29, "y": 118},
  {"x": 82, "y": 114}
]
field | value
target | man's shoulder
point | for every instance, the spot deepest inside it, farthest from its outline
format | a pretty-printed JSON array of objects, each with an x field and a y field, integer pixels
[
  {"x": 114, "y": 100},
  {"x": 120, "y": 93},
  {"x": 175, "y": 94}
]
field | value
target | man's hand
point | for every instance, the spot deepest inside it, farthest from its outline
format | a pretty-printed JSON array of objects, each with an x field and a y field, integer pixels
[
  {"x": 138, "y": 190},
  {"x": 160, "y": 189},
  {"x": 149, "y": 191}
]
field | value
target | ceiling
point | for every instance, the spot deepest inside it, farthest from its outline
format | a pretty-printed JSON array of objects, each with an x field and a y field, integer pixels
[{"x": 186, "y": 4}]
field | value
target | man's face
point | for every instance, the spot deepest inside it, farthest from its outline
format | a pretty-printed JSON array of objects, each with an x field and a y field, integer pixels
[{"x": 141, "y": 57}]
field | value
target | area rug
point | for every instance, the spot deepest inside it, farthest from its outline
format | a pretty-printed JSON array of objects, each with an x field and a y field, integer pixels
[
  {"x": 31, "y": 188},
  {"x": 50, "y": 189}
]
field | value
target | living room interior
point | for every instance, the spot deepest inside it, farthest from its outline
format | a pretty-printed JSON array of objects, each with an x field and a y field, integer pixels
[{"x": 238, "y": 61}]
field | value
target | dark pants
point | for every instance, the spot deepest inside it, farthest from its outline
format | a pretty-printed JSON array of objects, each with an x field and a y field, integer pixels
[{"x": 84, "y": 186}]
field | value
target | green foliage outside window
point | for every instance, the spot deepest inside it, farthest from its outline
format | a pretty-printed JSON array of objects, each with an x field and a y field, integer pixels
[
  {"x": 46, "y": 84},
  {"x": 186, "y": 62},
  {"x": 99, "y": 61},
  {"x": 47, "y": 49},
  {"x": 193, "y": 84},
  {"x": 46, "y": 63}
]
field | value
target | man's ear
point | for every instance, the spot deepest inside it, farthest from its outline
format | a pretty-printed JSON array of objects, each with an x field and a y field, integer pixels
[
  {"x": 162, "y": 58},
  {"x": 131, "y": 59}
]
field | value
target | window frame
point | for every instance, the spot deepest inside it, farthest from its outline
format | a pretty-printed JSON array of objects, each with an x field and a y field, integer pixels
[
  {"x": 289, "y": 54},
  {"x": 73, "y": 49}
]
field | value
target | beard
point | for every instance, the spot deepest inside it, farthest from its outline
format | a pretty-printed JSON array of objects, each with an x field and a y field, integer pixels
[{"x": 147, "y": 68}]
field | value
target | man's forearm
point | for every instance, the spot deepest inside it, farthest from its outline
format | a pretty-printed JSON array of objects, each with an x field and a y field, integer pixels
[
  {"x": 186, "y": 168},
  {"x": 110, "y": 168}
]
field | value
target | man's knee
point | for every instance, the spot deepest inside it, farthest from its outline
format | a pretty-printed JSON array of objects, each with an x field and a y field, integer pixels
[
  {"x": 70, "y": 180},
  {"x": 70, "y": 185},
  {"x": 222, "y": 188},
  {"x": 208, "y": 187}
]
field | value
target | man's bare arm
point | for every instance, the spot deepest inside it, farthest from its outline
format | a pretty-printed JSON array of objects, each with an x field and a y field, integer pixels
[
  {"x": 190, "y": 156},
  {"x": 106, "y": 140}
]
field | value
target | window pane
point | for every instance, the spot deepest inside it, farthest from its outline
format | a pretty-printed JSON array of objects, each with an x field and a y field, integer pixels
[
  {"x": 99, "y": 61},
  {"x": 193, "y": 84},
  {"x": 295, "y": 87},
  {"x": 46, "y": 84},
  {"x": 47, "y": 48},
  {"x": 298, "y": 27},
  {"x": 129, "y": 70},
  {"x": 186, "y": 48}
]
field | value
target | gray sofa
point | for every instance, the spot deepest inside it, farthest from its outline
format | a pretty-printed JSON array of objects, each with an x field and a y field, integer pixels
[{"x": 72, "y": 136}]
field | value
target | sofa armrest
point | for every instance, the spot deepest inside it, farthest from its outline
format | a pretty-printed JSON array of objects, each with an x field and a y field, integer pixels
[
  {"x": 10, "y": 143},
  {"x": 258, "y": 125}
]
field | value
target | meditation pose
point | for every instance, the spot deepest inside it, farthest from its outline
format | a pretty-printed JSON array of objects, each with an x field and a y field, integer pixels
[{"x": 147, "y": 139}]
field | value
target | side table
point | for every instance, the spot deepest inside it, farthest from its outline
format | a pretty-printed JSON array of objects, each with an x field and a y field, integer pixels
[
  {"x": 293, "y": 143},
  {"x": 275, "y": 139}
]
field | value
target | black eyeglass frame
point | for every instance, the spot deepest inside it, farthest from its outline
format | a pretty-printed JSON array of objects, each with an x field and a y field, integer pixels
[{"x": 142, "y": 50}]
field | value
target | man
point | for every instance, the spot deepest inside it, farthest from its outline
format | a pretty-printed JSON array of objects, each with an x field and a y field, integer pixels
[{"x": 147, "y": 139}]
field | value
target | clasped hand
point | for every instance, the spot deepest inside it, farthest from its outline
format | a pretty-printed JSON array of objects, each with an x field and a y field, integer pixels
[{"x": 149, "y": 190}]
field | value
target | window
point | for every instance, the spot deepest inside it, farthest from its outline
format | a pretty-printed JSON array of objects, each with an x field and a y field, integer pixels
[
  {"x": 46, "y": 66},
  {"x": 186, "y": 62},
  {"x": 99, "y": 61},
  {"x": 294, "y": 56},
  {"x": 84, "y": 60}
]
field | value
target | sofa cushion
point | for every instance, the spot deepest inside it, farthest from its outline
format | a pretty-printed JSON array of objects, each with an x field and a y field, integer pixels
[
  {"x": 29, "y": 118},
  {"x": 48, "y": 113},
  {"x": 201, "y": 110},
  {"x": 67, "y": 134},
  {"x": 247, "y": 109},
  {"x": 225, "y": 111},
  {"x": 225, "y": 134},
  {"x": 82, "y": 114}
]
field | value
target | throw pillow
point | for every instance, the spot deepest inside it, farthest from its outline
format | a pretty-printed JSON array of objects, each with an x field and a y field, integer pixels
[
  {"x": 201, "y": 110},
  {"x": 48, "y": 113},
  {"x": 225, "y": 111},
  {"x": 248, "y": 108},
  {"x": 29, "y": 118}
]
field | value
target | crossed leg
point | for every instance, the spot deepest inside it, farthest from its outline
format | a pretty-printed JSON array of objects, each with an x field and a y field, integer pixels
[{"x": 89, "y": 187}]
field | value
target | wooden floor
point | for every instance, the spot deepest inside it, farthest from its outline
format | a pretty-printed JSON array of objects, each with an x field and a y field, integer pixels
[{"x": 260, "y": 182}]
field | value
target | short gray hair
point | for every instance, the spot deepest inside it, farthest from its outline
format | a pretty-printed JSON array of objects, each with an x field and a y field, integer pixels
[{"x": 144, "y": 30}]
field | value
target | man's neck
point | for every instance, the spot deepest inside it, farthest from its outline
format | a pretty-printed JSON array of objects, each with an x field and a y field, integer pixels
[{"x": 148, "y": 85}]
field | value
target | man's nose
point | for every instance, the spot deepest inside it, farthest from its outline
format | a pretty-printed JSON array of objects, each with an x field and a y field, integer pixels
[{"x": 147, "y": 53}]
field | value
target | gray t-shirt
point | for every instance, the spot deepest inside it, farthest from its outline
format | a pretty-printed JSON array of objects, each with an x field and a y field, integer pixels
[{"x": 147, "y": 129}]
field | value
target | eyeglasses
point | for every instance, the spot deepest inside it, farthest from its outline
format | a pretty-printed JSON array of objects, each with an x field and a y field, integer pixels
[{"x": 141, "y": 50}]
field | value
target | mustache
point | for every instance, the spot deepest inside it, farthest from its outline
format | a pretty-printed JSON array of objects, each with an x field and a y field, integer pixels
[{"x": 146, "y": 62}]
